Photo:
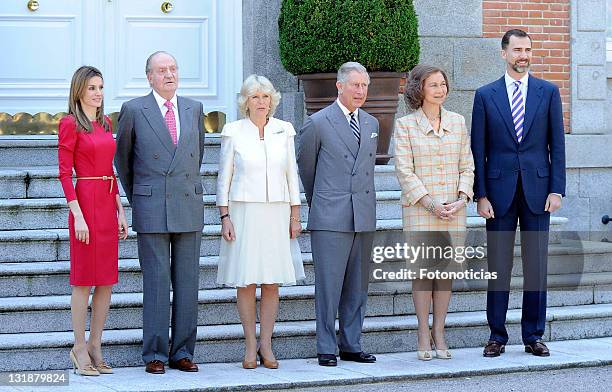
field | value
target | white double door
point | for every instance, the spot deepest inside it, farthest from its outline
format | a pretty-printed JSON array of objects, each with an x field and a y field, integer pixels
[{"x": 42, "y": 48}]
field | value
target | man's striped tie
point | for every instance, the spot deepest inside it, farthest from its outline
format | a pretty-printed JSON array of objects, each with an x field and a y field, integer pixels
[
  {"x": 355, "y": 127},
  {"x": 518, "y": 110}
]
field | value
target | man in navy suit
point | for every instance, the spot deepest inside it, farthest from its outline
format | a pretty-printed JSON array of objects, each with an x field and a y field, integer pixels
[{"x": 519, "y": 154}]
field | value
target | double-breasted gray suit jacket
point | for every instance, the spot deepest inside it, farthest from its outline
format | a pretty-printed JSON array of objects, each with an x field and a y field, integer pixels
[
  {"x": 161, "y": 181},
  {"x": 337, "y": 172}
]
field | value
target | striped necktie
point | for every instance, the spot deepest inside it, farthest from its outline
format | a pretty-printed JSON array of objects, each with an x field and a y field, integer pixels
[
  {"x": 518, "y": 110},
  {"x": 355, "y": 126}
]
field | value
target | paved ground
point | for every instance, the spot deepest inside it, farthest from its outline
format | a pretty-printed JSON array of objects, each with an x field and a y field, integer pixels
[
  {"x": 566, "y": 380},
  {"x": 400, "y": 371}
]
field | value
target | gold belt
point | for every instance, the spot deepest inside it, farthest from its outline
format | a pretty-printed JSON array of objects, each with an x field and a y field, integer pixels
[{"x": 104, "y": 178}]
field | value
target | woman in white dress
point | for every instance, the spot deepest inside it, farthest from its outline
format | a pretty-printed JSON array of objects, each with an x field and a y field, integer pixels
[{"x": 258, "y": 196}]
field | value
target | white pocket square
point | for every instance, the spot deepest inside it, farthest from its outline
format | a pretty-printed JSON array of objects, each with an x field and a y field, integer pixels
[{"x": 373, "y": 135}]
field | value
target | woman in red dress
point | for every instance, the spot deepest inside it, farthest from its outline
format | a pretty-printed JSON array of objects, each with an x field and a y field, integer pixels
[{"x": 96, "y": 220}]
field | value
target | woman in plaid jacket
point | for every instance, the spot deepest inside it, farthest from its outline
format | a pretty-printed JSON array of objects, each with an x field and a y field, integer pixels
[{"x": 435, "y": 169}]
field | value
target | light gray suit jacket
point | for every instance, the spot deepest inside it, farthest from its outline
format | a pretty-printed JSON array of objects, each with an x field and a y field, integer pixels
[
  {"x": 337, "y": 172},
  {"x": 161, "y": 180}
]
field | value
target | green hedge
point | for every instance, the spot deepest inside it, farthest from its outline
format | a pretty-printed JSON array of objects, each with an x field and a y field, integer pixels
[{"x": 320, "y": 35}]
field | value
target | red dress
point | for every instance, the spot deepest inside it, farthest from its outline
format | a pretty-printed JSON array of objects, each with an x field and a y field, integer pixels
[{"x": 91, "y": 155}]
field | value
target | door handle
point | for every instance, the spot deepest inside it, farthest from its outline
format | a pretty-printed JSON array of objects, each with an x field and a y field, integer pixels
[
  {"x": 33, "y": 5},
  {"x": 167, "y": 7}
]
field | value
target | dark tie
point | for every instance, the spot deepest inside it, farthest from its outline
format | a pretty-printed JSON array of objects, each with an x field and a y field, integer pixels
[
  {"x": 518, "y": 110},
  {"x": 355, "y": 126}
]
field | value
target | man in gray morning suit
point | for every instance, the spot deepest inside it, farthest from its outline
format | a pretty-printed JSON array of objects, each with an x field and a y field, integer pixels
[
  {"x": 336, "y": 155},
  {"x": 160, "y": 144}
]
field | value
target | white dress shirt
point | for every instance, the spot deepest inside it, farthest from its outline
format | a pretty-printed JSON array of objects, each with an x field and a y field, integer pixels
[
  {"x": 161, "y": 102},
  {"x": 510, "y": 87},
  {"x": 347, "y": 113}
]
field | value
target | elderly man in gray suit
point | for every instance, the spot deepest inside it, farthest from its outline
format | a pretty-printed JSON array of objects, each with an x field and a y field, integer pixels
[
  {"x": 336, "y": 155},
  {"x": 160, "y": 144}
]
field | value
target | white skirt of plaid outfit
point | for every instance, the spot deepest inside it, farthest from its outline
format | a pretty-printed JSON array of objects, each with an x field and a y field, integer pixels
[{"x": 262, "y": 252}]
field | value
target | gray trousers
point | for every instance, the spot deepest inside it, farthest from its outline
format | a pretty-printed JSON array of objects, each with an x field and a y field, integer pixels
[
  {"x": 341, "y": 262},
  {"x": 169, "y": 258}
]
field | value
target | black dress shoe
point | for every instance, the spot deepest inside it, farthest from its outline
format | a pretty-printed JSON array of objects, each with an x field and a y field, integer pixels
[
  {"x": 357, "y": 357},
  {"x": 537, "y": 348},
  {"x": 327, "y": 359},
  {"x": 493, "y": 349}
]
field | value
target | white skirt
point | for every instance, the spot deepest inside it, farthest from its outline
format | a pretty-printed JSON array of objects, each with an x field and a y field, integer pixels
[{"x": 262, "y": 252}]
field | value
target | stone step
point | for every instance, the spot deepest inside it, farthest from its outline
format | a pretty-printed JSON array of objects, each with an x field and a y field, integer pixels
[
  {"x": 52, "y": 213},
  {"x": 41, "y": 150},
  {"x": 394, "y": 369},
  {"x": 53, "y": 244},
  {"x": 51, "y": 278},
  {"x": 33, "y": 182},
  {"x": 218, "y": 306},
  {"x": 296, "y": 339}
]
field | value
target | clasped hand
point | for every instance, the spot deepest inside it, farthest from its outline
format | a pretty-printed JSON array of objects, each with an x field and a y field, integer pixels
[{"x": 447, "y": 211}]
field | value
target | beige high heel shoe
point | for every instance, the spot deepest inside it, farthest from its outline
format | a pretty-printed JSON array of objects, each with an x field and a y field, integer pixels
[
  {"x": 267, "y": 363},
  {"x": 249, "y": 364},
  {"x": 102, "y": 367},
  {"x": 440, "y": 354},
  {"x": 87, "y": 370},
  {"x": 425, "y": 355}
]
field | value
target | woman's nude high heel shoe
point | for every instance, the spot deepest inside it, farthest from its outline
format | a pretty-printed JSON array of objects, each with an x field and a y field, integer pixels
[
  {"x": 249, "y": 364},
  {"x": 441, "y": 354},
  {"x": 269, "y": 364},
  {"x": 87, "y": 370},
  {"x": 102, "y": 367},
  {"x": 425, "y": 355}
]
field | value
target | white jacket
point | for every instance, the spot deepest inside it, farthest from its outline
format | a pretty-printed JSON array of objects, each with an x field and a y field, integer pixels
[{"x": 253, "y": 170}]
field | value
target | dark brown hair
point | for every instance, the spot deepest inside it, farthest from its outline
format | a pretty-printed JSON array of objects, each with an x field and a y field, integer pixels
[
  {"x": 413, "y": 91},
  {"x": 514, "y": 32},
  {"x": 77, "y": 89}
]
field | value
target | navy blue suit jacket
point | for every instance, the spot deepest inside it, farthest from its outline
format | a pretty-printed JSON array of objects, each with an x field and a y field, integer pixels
[{"x": 499, "y": 157}]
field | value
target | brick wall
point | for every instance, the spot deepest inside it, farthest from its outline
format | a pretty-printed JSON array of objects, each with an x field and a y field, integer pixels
[{"x": 548, "y": 24}]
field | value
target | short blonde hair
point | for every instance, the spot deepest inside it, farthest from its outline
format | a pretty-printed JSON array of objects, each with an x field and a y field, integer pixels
[{"x": 252, "y": 85}]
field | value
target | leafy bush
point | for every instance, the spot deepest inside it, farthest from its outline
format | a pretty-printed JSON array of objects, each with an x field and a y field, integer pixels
[{"x": 319, "y": 35}]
